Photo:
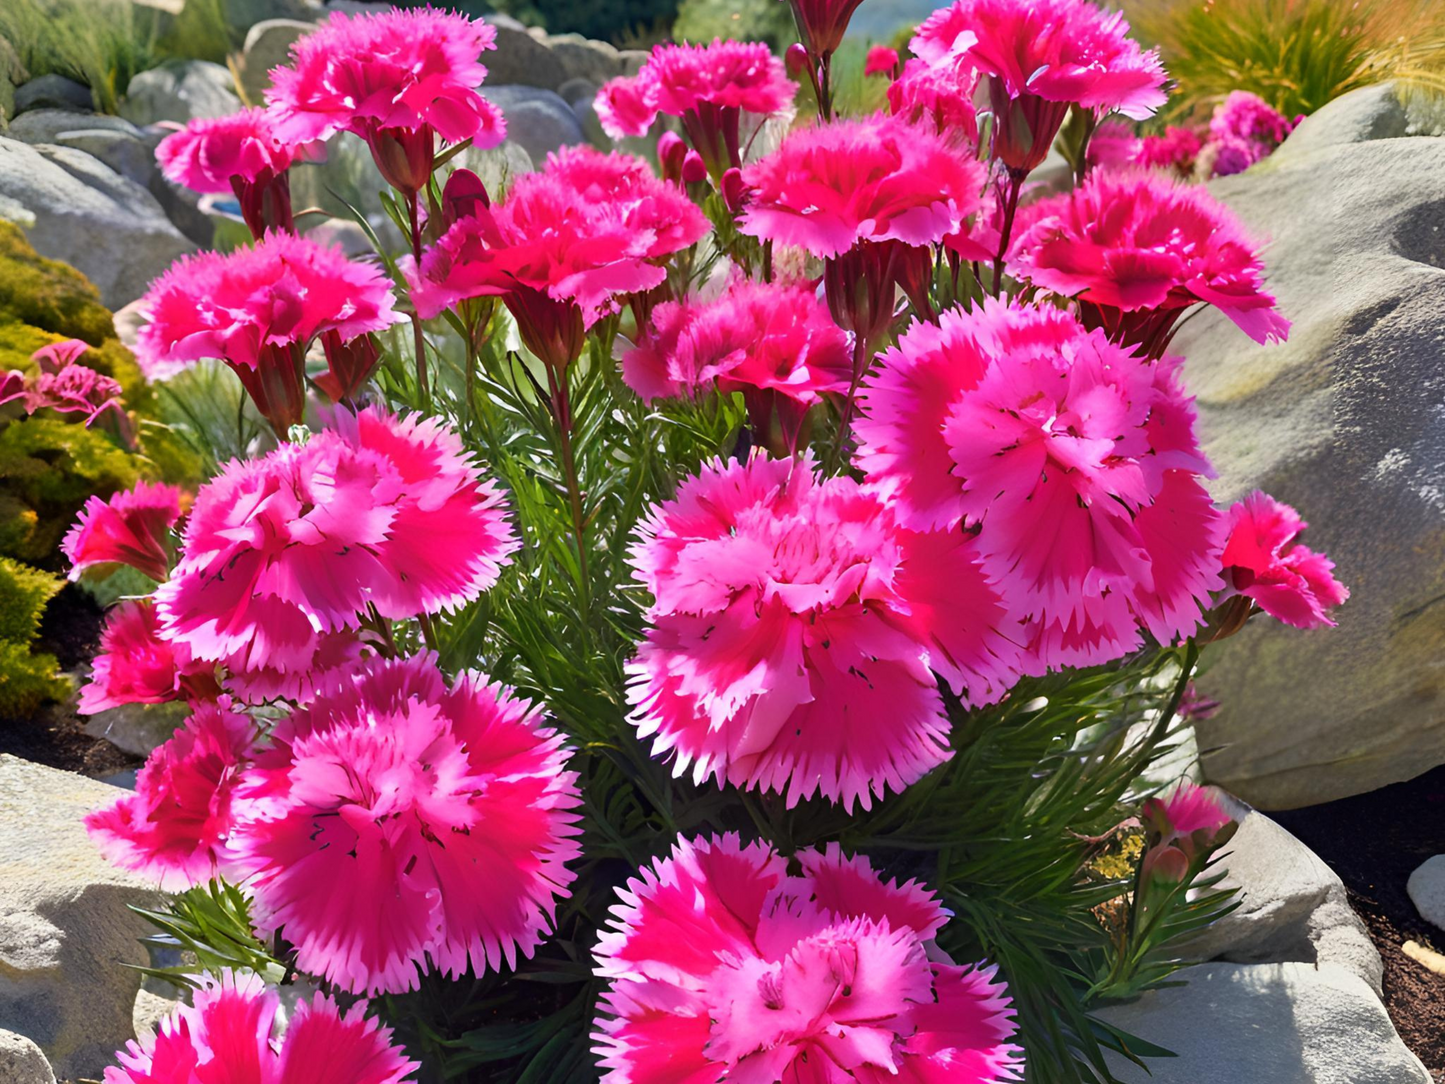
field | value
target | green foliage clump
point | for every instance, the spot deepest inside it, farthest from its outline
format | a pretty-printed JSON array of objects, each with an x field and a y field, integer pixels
[
  {"x": 47, "y": 294},
  {"x": 26, "y": 679},
  {"x": 745, "y": 20},
  {"x": 1295, "y": 54}
]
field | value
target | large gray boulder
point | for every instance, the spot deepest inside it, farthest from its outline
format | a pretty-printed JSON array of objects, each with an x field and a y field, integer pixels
[
  {"x": 1286, "y": 1023},
  {"x": 1292, "y": 908},
  {"x": 539, "y": 121},
  {"x": 66, "y": 931},
  {"x": 521, "y": 59},
  {"x": 1344, "y": 423},
  {"x": 268, "y": 45},
  {"x": 22, "y": 1062},
  {"x": 77, "y": 209},
  {"x": 178, "y": 91},
  {"x": 53, "y": 92}
]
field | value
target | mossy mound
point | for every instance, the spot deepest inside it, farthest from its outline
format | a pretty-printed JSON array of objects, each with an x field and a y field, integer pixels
[
  {"x": 47, "y": 294},
  {"x": 26, "y": 679}
]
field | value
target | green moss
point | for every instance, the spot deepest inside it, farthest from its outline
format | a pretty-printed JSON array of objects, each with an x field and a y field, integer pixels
[
  {"x": 28, "y": 680},
  {"x": 24, "y": 591},
  {"x": 48, "y": 295}
]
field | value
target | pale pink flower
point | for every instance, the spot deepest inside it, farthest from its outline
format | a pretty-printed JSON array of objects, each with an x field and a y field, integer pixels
[
  {"x": 174, "y": 827},
  {"x": 723, "y": 968},
  {"x": 136, "y": 665},
  {"x": 775, "y": 344},
  {"x": 374, "y": 511},
  {"x": 784, "y": 653},
  {"x": 1076, "y": 460},
  {"x": 563, "y": 249},
  {"x": 1137, "y": 249},
  {"x": 1263, "y": 561},
  {"x": 227, "y": 1036},
  {"x": 832, "y": 186},
  {"x": 397, "y": 819},
  {"x": 393, "y": 78},
  {"x": 129, "y": 529},
  {"x": 211, "y": 154}
]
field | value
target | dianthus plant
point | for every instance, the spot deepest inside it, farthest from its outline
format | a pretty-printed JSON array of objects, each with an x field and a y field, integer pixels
[{"x": 707, "y": 618}]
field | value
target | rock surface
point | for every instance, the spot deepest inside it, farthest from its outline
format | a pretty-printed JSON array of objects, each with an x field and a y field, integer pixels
[
  {"x": 1427, "y": 890},
  {"x": 538, "y": 121},
  {"x": 268, "y": 45},
  {"x": 53, "y": 92},
  {"x": 65, "y": 931},
  {"x": 84, "y": 213},
  {"x": 22, "y": 1062},
  {"x": 1292, "y": 908},
  {"x": 1265, "y": 1024},
  {"x": 521, "y": 60},
  {"x": 1343, "y": 422},
  {"x": 137, "y": 728},
  {"x": 178, "y": 91}
]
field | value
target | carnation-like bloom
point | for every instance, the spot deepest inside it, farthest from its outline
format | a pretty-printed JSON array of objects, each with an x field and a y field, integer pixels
[
  {"x": 129, "y": 529},
  {"x": 1137, "y": 249},
  {"x": 1040, "y": 58},
  {"x": 67, "y": 387},
  {"x": 1264, "y": 562},
  {"x": 136, "y": 665},
  {"x": 1245, "y": 129},
  {"x": 1183, "y": 827},
  {"x": 564, "y": 247},
  {"x": 375, "y": 511},
  {"x": 881, "y": 60},
  {"x": 1074, "y": 457},
  {"x": 724, "y": 968},
  {"x": 258, "y": 309},
  {"x": 397, "y": 819},
  {"x": 1175, "y": 150},
  {"x": 822, "y": 24},
  {"x": 227, "y": 1035},
  {"x": 868, "y": 195},
  {"x": 709, "y": 87},
  {"x": 396, "y": 79},
  {"x": 775, "y": 344},
  {"x": 174, "y": 827},
  {"x": 939, "y": 93},
  {"x": 793, "y": 629},
  {"x": 240, "y": 154}
]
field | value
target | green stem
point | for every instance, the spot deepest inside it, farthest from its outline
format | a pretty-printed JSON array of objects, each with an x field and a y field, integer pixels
[
  {"x": 562, "y": 415},
  {"x": 423, "y": 388}
]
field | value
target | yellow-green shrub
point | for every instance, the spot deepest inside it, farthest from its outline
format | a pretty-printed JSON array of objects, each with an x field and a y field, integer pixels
[{"x": 26, "y": 679}]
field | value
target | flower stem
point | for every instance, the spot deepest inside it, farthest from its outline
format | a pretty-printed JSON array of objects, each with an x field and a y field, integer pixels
[
  {"x": 423, "y": 388},
  {"x": 1010, "y": 208},
  {"x": 562, "y": 415}
]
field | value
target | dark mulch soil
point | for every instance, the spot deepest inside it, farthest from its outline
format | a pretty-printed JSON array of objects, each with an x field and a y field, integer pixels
[
  {"x": 69, "y": 630},
  {"x": 1374, "y": 842}
]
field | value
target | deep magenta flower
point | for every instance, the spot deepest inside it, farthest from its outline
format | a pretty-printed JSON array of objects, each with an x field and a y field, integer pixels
[
  {"x": 1137, "y": 249},
  {"x": 1040, "y": 58},
  {"x": 1075, "y": 459},
  {"x": 1175, "y": 150},
  {"x": 239, "y": 154},
  {"x": 775, "y": 344},
  {"x": 869, "y": 196},
  {"x": 794, "y": 629},
  {"x": 174, "y": 827},
  {"x": 724, "y": 968},
  {"x": 822, "y": 24},
  {"x": 373, "y": 512},
  {"x": 396, "y": 79},
  {"x": 708, "y": 87},
  {"x": 563, "y": 249},
  {"x": 129, "y": 529},
  {"x": 1263, "y": 561},
  {"x": 258, "y": 309},
  {"x": 881, "y": 60},
  {"x": 939, "y": 93},
  {"x": 397, "y": 819},
  {"x": 136, "y": 665},
  {"x": 227, "y": 1036}
]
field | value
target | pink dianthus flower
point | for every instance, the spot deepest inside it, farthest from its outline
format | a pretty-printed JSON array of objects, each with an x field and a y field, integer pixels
[
  {"x": 562, "y": 249},
  {"x": 238, "y": 154},
  {"x": 227, "y": 1036},
  {"x": 793, "y": 629},
  {"x": 1249, "y": 119},
  {"x": 709, "y": 87},
  {"x": 940, "y": 93},
  {"x": 1041, "y": 57},
  {"x": 775, "y": 344},
  {"x": 1175, "y": 150},
  {"x": 67, "y": 387},
  {"x": 373, "y": 512},
  {"x": 258, "y": 309},
  {"x": 136, "y": 665},
  {"x": 395, "y": 78},
  {"x": 1074, "y": 457},
  {"x": 128, "y": 529},
  {"x": 397, "y": 819},
  {"x": 175, "y": 826},
  {"x": 1137, "y": 249},
  {"x": 724, "y": 968},
  {"x": 1263, "y": 562}
]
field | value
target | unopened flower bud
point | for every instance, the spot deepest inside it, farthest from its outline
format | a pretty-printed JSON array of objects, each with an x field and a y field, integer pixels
[
  {"x": 463, "y": 196},
  {"x": 881, "y": 61},
  {"x": 734, "y": 191},
  {"x": 671, "y": 151},
  {"x": 797, "y": 59},
  {"x": 694, "y": 169}
]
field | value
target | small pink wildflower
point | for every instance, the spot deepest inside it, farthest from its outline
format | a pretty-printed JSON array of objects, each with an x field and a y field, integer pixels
[
  {"x": 1264, "y": 562},
  {"x": 128, "y": 529}
]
